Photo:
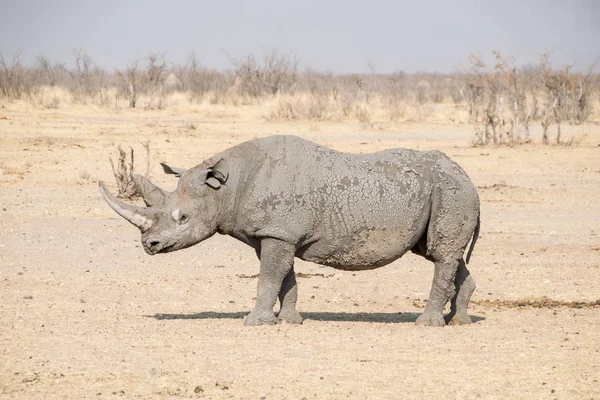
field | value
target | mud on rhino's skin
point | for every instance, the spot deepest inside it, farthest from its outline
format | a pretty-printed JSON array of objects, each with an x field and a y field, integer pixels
[{"x": 288, "y": 197}]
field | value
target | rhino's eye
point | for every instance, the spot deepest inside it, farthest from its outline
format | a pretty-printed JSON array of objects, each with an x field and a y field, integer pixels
[{"x": 183, "y": 219}]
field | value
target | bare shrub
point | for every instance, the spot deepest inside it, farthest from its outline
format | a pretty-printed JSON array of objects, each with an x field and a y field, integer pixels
[
  {"x": 498, "y": 106},
  {"x": 457, "y": 89},
  {"x": 122, "y": 173},
  {"x": 48, "y": 72},
  {"x": 153, "y": 79},
  {"x": 288, "y": 108},
  {"x": 86, "y": 76},
  {"x": 567, "y": 97},
  {"x": 149, "y": 81},
  {"x": 363, "y": 115},
  {"x": 504, "y": 100},
  {"x": 438, "y": 96},
  {"x": 395, "y": 95},
  {"x": 54, "y": 102},
  {"x": 124, "y": 169},
  {"x": 424, "y": 111},
  {"x": 203, "y": 83},
  {"x": 132, "y": 78},
  {"x": 107, "y": 97},
  {"x": 315, "y": 106},
  {"x": 84, "y": 80},
  {"x": 275, "y": 73},
  {"x": 15, "y": 80},
  {"x": 422, "y": 93}
]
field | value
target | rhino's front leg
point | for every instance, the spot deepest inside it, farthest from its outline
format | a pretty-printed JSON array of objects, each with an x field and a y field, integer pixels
[{"x": 276, "y": 261}]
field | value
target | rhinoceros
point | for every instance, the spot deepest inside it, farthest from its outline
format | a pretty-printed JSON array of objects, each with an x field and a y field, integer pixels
[{"x": 288, "y": 197}]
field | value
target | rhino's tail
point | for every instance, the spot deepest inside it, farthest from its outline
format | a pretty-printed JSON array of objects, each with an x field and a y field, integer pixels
[{"x": 475, "y": 237}]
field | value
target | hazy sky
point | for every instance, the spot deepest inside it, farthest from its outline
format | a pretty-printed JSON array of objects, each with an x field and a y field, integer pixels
[{"x": 340, "y": 36}]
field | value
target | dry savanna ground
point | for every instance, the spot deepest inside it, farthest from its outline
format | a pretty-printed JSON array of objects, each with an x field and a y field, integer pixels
[{"x": 87, "y": 314}]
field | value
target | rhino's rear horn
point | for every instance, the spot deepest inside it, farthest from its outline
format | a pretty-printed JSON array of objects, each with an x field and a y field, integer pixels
[
  {"x": 152, "y": 194},
  {"x": 138, "y": 216}
]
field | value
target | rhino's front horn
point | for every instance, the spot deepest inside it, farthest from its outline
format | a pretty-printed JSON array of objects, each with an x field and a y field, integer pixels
[{"x": 138, "y": 216}]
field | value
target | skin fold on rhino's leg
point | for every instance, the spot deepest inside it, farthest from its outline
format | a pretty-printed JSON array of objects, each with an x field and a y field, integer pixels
[
  {"x": 287, "y": 297},
  {"x": 465, "y": 286},
  {"x": 442, "y": 290},
  {"x": 276, "y": 261}
]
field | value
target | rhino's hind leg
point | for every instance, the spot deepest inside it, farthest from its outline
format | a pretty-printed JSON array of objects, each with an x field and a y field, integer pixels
[
  {"x": 465, "y": 286},
  {"x": 288, "y": 295},
  {"x": 276, "y": 261},
  {"x": 454, "y": 218},
  {"x": 442, "y": 290}
]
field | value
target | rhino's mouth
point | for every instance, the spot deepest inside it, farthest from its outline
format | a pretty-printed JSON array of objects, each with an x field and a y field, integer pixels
[{"x": 157, "y": 249}]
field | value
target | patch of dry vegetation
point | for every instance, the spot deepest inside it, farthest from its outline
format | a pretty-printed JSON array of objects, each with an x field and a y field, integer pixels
[
  {"x": 541, "y": 302},
  {"x": 501, "y": 101},
  {"x": 504, "y": 100},
  {"x": 123, "y": 170}
]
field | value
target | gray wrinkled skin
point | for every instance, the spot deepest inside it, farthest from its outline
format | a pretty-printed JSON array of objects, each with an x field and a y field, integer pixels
[{"x": 288, "y": 197}]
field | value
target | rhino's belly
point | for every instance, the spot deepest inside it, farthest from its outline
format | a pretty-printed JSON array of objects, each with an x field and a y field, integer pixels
[
  {"x": 363, "y": 251},
  {"x": 368, "y": 235}
]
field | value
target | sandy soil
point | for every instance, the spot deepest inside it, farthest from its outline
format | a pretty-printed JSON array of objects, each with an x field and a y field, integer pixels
[{"x": 86, "y": 313}]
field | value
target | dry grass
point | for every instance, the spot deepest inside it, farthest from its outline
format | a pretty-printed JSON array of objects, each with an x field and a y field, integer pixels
[
  {"x": 503, "y": 103},
  {"x": 379, "y": 112}
]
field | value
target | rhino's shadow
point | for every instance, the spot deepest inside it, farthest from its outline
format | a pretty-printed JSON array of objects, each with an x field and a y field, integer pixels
[{"x": 393, "y": 318}]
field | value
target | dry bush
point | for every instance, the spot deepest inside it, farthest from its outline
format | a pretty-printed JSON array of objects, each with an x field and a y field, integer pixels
[
  {"x": 153, "y": 81},
  {"x": 16, "y": 81},
  {"x": 364, "y": 115},
  {"x": 123, "y": 170},
  {"x": 316, "y": 98},
  {"x": 504, "y": 100},
  {"x": 48, "y": 72},
  {"x": 395, "y": 95},
  {"x": 498, "y": 101},
  {"x": 567, "y": 97},
  {"x": 122, "y": 173},
  {"x": 51, "y": 97},
  {"x": 87, "y": 77},
  {"x": 308, "y": 106},
  {"x": 84, "y": 83},
  {"x": 149, "y": 81},
  {"x": 275, "y": 73},
  {"x": 203, "y": 83},
  {"x": 422, "y": 92}
]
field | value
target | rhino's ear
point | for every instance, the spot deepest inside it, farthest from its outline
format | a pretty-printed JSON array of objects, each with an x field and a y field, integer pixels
[
  {"x": 217, "y": 174},
  {"x": 172, "y": 170},
  {"x": 196, "y": 179}
]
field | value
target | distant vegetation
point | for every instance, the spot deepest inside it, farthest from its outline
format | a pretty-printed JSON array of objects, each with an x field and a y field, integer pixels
[{"x": 501, "y": 101}]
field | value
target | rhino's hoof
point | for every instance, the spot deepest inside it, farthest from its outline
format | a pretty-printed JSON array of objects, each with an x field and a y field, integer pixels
[
  {"x": 290, "y": 317},
  {"x": 255, "y": 320},
  {"x": 430, "y": 320},
  {"x": 458, "y": 320}
]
